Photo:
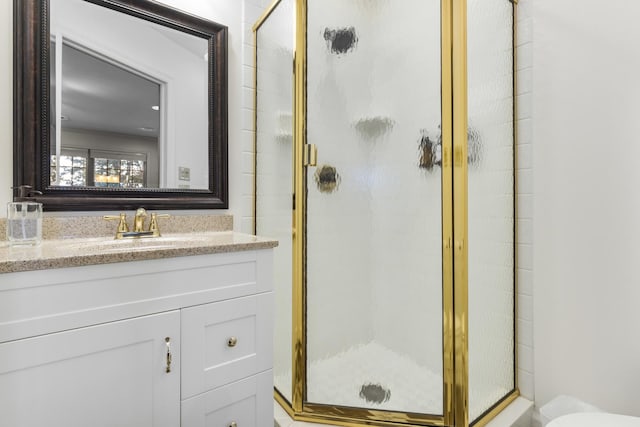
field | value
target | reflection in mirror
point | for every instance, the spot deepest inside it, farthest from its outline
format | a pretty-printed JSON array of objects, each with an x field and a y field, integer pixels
[
  {"x": 119, "y": 104},
  {"x": 105, "y": 141},
  {"x": 121, "y": 96}
]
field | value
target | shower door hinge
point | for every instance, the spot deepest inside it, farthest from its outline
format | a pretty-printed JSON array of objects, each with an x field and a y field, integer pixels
[{"x": 310, "y": 155}]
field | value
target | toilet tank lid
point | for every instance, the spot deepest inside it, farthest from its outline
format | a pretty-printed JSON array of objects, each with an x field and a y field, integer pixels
[{"x": 594, "y": 419}]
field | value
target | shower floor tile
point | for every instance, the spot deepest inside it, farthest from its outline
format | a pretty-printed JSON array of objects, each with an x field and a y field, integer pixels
[{"x": 338, "y": 380}]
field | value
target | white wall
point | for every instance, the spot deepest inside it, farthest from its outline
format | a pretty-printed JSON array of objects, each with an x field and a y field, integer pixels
[
  {"x": 228, "y": 12},
  {"x": 587, "y": 204},
  {"x": 6, "y": 104}
]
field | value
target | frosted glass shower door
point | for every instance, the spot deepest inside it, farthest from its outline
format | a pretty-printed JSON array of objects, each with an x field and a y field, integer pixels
[
  {"x": 374, "y": 234},
  {"x": 491, "y": 204},
  {"x": 274, "y": 170}
]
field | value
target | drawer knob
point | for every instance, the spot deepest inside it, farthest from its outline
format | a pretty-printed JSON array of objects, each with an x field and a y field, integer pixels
[
  {"x": 231, "y": 342},
  {"x": 233, "y": 424}
]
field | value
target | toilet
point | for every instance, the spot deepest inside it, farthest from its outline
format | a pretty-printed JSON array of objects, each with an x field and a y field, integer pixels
[{"x": 595, "y": 419}]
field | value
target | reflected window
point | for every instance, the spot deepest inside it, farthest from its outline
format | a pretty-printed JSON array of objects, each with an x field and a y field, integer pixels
[
  {"x": 70, "y": 168},
  {"x": 79, "y": 168},
  {"x": 117, "y": 172}
]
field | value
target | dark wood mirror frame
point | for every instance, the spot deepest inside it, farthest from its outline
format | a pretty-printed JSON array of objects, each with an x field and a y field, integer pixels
[{"x": 32, "y": 117}]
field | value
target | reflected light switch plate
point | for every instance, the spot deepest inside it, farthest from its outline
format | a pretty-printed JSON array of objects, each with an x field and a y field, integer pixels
[{"x": 184, "y": 174}]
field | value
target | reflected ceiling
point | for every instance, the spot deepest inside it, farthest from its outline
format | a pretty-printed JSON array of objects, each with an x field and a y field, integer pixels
[{"x": 98, "y": 95}]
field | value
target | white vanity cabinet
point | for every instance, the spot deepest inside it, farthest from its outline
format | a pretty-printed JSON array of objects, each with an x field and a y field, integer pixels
[
  {"x": 101, "y": 376},
  {"x": 183, "y": 341}
]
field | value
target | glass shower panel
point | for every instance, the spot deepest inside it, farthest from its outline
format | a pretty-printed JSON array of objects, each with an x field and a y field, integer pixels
[
  {"x": 374, "y": 251},
  {"x": 491, "y": 203},
  {"x": 274, "y": 170}
]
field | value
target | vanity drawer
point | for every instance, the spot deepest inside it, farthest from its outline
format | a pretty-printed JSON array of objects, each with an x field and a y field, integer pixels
[
  {"x": 225, "y": 341},
  {"x": 44, "y": 301},
  {"x": 247, "y": 403}
]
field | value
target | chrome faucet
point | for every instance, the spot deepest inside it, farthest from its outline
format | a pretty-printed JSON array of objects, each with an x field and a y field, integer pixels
[{"x": 122, "y": 232}]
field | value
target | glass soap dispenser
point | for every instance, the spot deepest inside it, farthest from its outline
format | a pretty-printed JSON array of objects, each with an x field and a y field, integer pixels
[{"x": 24, "y": 222}]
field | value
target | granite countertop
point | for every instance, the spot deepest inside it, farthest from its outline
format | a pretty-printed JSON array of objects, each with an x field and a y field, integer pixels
[
  {"x": 60, "y": 248},
  {"x": 78, "y": 252}
]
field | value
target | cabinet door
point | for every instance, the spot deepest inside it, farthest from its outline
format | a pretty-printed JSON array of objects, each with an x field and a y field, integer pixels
[
  {"x": 225, "y": 341},
  {"x": 109, "y": 375},
  {"x": 245, "y": 403}
]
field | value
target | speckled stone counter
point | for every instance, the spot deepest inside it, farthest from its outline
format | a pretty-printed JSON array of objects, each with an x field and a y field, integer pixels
[{"x": 62, "y": 247}]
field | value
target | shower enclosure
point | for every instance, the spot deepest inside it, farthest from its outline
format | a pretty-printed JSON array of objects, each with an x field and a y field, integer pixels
[{"x": 385, "y": 167}]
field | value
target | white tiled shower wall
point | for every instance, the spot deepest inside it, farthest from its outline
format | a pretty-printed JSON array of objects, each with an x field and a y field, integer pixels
[
  {"x": 490, "y": 201},
  {"x": 254, "y": 8},
  {"x": 274, "y": 176},
  {"x": 251, "y": 12},
  {"x": 524, "y": 70}
]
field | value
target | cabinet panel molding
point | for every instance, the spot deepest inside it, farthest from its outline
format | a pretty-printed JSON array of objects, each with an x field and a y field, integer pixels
[
  {"x": 106, "y": 375},
  {"x": 209, "y": 361},
  {"x": 248, "y": 403}
]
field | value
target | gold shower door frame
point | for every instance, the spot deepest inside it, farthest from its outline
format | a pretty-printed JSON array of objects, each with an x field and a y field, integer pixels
[{"x": 454, "y": 235}]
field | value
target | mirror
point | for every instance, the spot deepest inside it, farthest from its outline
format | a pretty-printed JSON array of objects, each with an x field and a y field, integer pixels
[{"x": 119, "y": 104}]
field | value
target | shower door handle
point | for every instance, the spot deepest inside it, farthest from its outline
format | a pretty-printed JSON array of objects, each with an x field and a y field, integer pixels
[{"x": 310, "y": 155}]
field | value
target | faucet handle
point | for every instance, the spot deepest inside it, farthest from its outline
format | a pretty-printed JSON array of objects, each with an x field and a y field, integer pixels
[
  {"x": 153, "y": 224},
  {"x": 122, "y": 225}
]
